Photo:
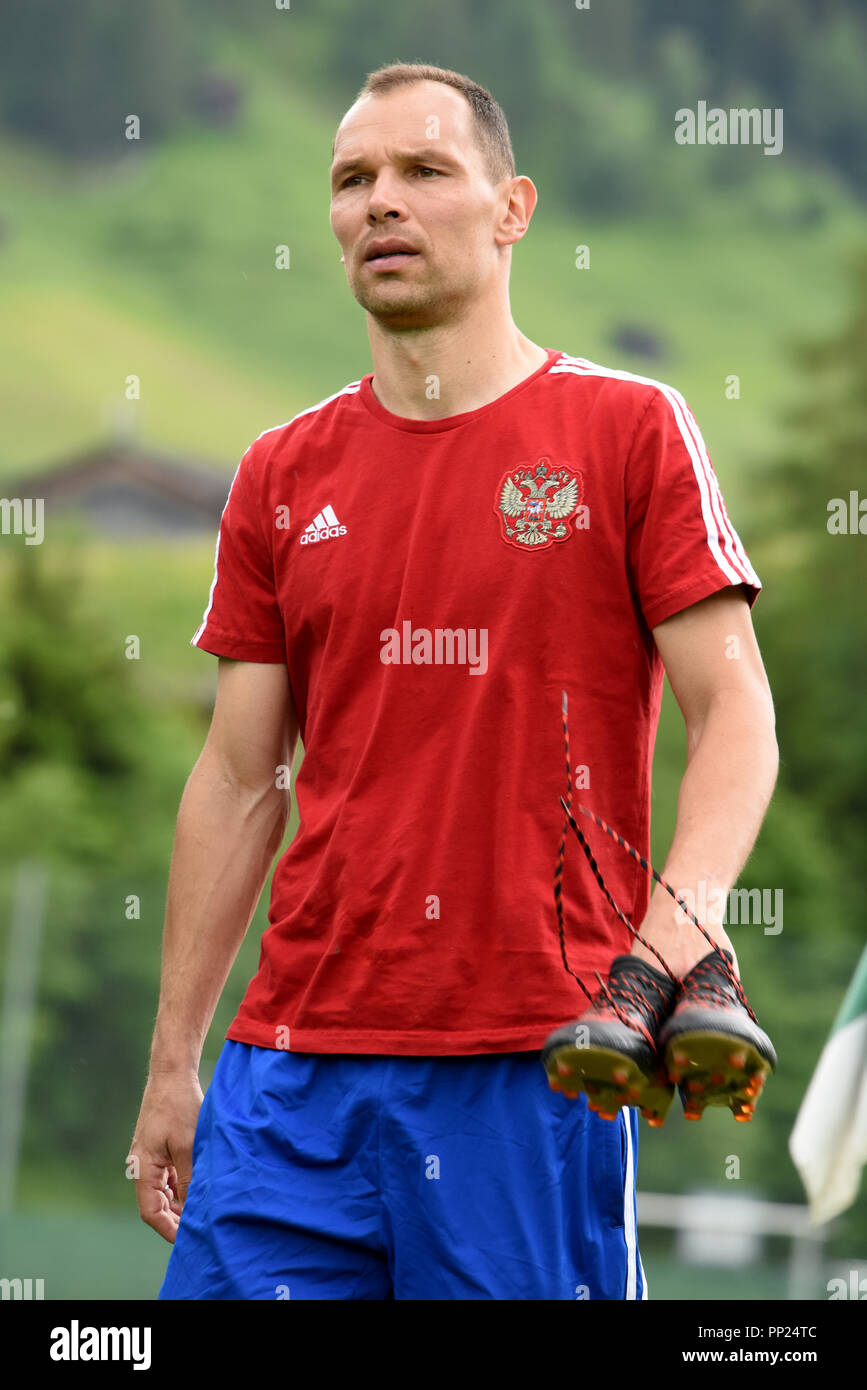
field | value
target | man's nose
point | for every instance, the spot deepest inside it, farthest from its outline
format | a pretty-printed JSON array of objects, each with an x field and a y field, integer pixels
[{"x": 385, "y": 199}]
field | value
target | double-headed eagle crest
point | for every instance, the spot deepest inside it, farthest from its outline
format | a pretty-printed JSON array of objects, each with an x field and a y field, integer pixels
[{"x": 539, "y": 505}]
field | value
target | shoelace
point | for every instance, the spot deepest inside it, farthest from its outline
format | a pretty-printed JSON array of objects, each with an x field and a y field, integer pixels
[
  {"x": 622, "y": 988},
  {"x": 707, "y": 988},
  {"x": 648, "y": 868}
]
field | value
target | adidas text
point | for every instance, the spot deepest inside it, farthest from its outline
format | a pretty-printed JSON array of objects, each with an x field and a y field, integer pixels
[{"x": 326, "y": 533}]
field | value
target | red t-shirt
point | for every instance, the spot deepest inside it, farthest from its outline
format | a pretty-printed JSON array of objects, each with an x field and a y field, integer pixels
[{"x": 433, "y": 586}]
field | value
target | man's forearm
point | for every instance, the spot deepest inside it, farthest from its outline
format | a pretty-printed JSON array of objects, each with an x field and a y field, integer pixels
[
  {"x": 728, "y": 783},
  {"x": 225, "y": 842}
]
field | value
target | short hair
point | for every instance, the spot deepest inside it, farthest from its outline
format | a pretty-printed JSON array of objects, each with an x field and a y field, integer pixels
[{"x": 489, "y": 121}]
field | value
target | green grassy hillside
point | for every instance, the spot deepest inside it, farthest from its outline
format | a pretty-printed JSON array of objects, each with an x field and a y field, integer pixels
[{"x": 162, "y": 265}]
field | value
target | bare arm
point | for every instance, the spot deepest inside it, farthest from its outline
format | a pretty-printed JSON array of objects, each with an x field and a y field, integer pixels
[
  {"x": 230, "y": 825},
  {"x": 732, "y": 761}
]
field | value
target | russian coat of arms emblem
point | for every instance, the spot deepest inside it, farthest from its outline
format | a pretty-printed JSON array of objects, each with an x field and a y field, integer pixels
[{"x": 538, "y": 508}]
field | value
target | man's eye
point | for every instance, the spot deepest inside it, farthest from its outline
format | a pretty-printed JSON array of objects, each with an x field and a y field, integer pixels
[{"x": 420, "y": 168}]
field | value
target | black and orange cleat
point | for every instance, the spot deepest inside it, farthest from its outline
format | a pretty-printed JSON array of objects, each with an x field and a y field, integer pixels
[
  {"x": 713, "y": 1048},
  {"x": 610, "y": 1052}
]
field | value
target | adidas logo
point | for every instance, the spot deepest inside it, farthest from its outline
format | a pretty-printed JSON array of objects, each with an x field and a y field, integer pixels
[{"x": 323, "y": 527}]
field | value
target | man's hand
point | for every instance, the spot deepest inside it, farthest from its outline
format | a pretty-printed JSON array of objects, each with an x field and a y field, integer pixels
[{"x": 163, "y": 1148}]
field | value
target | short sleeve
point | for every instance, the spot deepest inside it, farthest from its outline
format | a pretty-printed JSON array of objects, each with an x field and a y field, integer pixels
[
  {"x": 243, "y": 620},
  {"x": 681, "y": 544}
]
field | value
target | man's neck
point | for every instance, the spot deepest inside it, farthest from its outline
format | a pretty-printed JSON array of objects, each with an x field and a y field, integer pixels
[{"x": 449, "y": 370}]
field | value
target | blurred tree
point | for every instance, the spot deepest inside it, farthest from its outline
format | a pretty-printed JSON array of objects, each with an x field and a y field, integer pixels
[
  {"x": 91, "y": 778},
  {"x": 589, "y": 93},
  {"x": 817, "y": 632},
  {"x": 811, "y": 622},
  {"x": 833, "y": 122},
  {"x": 70, "y": 75},
  {"x": 814, "y": 642}
]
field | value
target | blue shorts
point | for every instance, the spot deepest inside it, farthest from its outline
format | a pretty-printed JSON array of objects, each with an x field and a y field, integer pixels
[{"x": 332, "y": 1177}]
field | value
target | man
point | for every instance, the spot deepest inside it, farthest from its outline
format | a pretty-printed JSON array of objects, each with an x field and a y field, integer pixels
[{"x": 408, "y": 574}]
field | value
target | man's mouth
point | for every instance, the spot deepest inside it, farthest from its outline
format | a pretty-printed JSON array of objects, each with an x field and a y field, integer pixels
[
  {"x": 391, "y": 260},
  {"x": 389, "y": 253}
]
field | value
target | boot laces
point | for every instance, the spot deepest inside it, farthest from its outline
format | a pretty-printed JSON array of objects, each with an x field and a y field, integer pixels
[
  {"x": 706, "y": 987},
  {"x": 647, "y": 998}
]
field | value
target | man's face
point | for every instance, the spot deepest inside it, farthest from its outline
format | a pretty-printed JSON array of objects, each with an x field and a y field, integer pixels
[{"x": 407, "y": 165}]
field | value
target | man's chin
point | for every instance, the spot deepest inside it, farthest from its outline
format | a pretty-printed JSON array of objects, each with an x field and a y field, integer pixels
[{"x": 401, "y": 310}]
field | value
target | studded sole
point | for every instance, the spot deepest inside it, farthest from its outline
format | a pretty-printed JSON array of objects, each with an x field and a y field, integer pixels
[
  {"x": 716, "y": 1069},
  {"x": 609, "y": 1079}
]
